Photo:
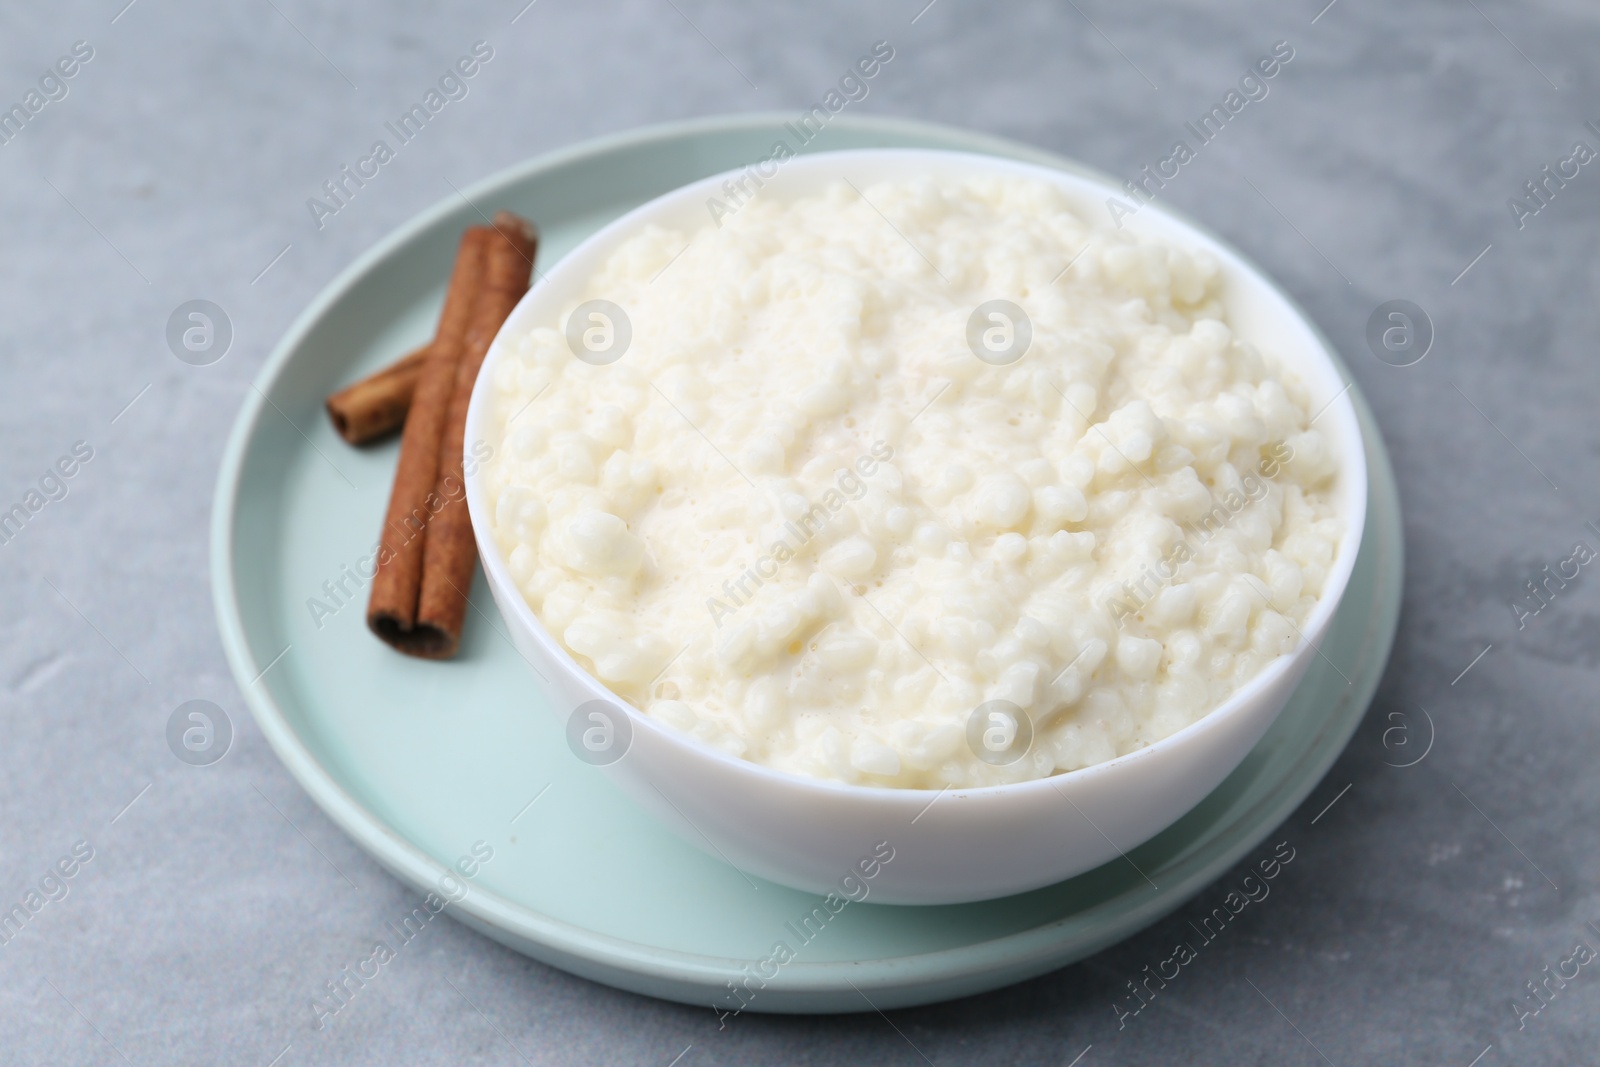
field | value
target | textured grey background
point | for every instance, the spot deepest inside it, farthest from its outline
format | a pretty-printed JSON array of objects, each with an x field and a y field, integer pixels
[{"x": 1417, "y": 906}]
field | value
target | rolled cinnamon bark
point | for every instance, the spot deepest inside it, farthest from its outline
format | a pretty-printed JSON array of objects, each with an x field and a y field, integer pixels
[
  {"x": 392, "y": 606},
  {"x": 450, "y": 551},
  {"x": 377, "y": 404}
]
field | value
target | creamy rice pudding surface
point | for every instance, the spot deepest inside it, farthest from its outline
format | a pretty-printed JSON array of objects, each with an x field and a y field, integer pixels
[{"x": 802, "y": 521}]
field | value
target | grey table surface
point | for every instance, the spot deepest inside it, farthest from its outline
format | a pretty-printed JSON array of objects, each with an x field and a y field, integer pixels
[{"x": 1379, "y": 167}]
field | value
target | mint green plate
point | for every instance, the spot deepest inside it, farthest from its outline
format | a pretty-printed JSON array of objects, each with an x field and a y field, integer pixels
[{"x": 420, "y": 761}]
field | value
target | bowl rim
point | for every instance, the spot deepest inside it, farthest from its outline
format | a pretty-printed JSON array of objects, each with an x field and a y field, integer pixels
[{"x": 1350, "y": 493}]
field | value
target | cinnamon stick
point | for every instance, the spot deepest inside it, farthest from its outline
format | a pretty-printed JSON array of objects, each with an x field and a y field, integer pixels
[
  {"x": 392, "y": 606},
  {"x": 377, "y": 404},
  {"x": 450, "y": 551}
]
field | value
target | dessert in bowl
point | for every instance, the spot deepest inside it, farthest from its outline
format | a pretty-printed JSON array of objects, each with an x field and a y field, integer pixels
[{"x": 901, "y": 503}]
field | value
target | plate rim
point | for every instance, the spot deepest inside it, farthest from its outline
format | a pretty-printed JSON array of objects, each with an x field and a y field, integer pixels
[{"x": 652, "y": 969}]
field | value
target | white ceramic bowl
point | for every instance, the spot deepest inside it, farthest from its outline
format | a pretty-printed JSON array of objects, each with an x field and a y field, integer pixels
[{"x": 955, "y": 845}]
